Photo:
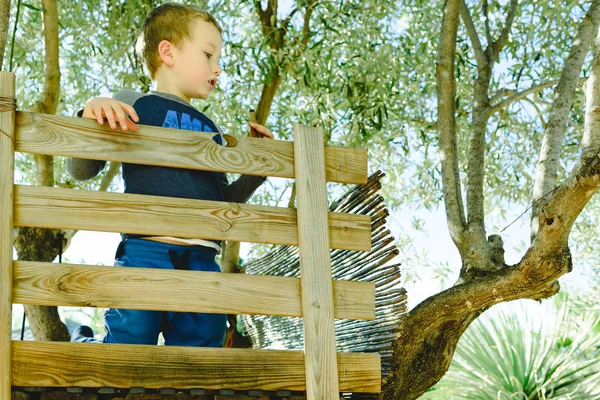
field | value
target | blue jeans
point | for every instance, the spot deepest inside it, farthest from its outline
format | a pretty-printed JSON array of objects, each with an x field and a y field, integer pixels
[{"x": 178, "y": 328}]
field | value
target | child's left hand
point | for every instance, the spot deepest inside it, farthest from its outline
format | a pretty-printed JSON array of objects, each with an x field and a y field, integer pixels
[{"x": 259, "y": 131}]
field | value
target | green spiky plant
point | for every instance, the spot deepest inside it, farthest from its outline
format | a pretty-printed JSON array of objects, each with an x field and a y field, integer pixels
[{"x": 512, "y": 354}]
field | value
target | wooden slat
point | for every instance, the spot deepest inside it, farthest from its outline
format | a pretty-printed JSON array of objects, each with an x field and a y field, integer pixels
[
  {"x": 7, "y": 122},
  {"x": 50, "y": 284},
  {"x": 315, "y": 265},
  {"x": 84, "y": 138},
  {"x": 118, "y": 212},
  {"x": 57, "y": 364}
]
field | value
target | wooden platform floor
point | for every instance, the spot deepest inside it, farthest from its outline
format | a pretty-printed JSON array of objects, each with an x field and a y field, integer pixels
[{"x": 31, "y": 393}]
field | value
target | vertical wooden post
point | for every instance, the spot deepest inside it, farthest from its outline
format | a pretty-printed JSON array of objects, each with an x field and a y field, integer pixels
[
  {"x": 315, "y": 265},
  {"x": 7, "y": 154}
]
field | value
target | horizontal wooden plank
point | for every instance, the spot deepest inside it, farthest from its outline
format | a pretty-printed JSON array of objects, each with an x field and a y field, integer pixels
[
  {"x": 154, "y": 215},
  {"x": 58, "y": 364},
  {"x": 50, "y": 284},
  {"x": 84, "y": 138}
]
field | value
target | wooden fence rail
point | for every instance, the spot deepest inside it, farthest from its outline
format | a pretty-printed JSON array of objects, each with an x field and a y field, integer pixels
[
  {"x": 51, "y": 284},
  {"x": 84, "y": 138},
  {"x": 133, "y": 213}
]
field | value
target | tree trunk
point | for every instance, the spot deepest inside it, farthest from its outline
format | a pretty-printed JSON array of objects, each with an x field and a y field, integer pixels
[{"x": 36, "y": 244}]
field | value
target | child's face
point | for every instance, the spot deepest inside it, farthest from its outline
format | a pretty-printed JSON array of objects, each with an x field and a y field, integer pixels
[{"x": 196, "y": 63}]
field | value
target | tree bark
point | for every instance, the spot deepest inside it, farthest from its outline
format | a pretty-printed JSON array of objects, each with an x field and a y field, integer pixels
[
  {"x": 591, "y": 132},
  {"x": 446, "y": 123},
  {"x": 4, "y": 22},
  {"x": 552, "y": 143},
  {"x": 478, "y": 252}
]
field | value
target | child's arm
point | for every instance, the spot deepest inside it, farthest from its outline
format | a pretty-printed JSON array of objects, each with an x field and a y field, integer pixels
[
  {"x": 241, "y": 190},
  {"x": 100, "y": 108}
]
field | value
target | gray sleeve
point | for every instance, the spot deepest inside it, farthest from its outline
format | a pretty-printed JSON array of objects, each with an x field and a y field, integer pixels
[
  {"x": 83, "y": 169},
  {"x": 241, "y": 190}
]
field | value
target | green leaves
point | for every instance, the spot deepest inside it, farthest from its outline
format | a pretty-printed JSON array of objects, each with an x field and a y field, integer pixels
[
  {"x": 532, "y": 353},
  {"x": 367, "y": 76}
]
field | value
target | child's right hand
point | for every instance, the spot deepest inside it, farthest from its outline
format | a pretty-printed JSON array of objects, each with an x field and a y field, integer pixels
[{"x": 113, "y": 110}]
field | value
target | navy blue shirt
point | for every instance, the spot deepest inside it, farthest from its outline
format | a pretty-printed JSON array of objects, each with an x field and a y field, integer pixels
[{"x": 169, "y": 111}]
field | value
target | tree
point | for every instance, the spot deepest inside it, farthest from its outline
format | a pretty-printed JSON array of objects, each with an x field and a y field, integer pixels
[{"x": 432, "y": 329}]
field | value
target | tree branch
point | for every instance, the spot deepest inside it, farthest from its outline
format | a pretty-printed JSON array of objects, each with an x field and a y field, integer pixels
[
  {"x": 516, "y": 96},
  {"x": 49, "y": 100},
  {"x": 591, "y": 129},
  {"x": 480, "y": 55},
  {"x": 286, "y": 22},
  {"x": 4, "y": 21},
  {"x": 476, "y": 157},
  {"x": 486, "y": 15},
  {"x": 499, "y": 44},
  {"x": 271, "y": 85},
  {"x": 51, "y": 93},
  {"x": 113, "y": 170},
  {"x": 267, "y": 17},
  {"x": 446, "y": 122},
  {"x": 310, "y": 6},
  {"x": 553, "y": 136},
  {"x": 500, "y": 93},
  {"x": 261, "y": 14},
  {"x": 476, "y": 163}
]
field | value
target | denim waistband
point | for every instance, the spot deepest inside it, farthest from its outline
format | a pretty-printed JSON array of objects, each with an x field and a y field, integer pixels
[{"x": 145, "y": 248}]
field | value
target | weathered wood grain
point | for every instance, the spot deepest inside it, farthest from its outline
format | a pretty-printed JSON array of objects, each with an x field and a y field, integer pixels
[
  {"x": 129, "y": 213},
  {"x": 54, "y": 364},
  {"x": 7, "y": 157},
  {"x": 315, "y": 265},
  {"x": 50, "y": 284},
  {"x": 84, "y": 138}
]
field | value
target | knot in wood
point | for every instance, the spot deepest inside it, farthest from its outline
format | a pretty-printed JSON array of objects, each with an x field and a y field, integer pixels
[{"x": 230, "y": 141}]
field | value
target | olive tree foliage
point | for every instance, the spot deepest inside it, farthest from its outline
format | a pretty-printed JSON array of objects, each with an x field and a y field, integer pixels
[{"x": 367, "y": 76}]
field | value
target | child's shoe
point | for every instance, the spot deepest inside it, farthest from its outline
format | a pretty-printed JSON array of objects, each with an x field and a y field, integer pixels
[{"x": 81, "y": 333}]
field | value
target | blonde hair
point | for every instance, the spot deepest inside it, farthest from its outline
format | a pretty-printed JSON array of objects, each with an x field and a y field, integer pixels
[{"x": 172, "y": 22}]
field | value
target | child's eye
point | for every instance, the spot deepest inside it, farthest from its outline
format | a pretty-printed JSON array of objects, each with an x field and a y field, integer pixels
[{"x": 208, "y": 55}]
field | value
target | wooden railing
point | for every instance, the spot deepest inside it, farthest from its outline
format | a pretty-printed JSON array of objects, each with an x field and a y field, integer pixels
[{"x": 319, "y": 370}]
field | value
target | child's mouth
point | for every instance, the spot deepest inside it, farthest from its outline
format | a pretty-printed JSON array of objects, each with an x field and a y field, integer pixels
[{"x": 212, "y": 83}]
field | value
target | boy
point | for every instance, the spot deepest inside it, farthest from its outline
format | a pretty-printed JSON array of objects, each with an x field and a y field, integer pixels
[{"x": 180, "y": 46}]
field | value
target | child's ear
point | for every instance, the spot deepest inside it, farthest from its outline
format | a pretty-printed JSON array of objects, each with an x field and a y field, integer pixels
[{"x": 165, "y": 52}]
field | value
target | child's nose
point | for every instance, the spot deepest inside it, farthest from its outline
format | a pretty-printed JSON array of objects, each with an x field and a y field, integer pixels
[{"x": 218, "y": 70}]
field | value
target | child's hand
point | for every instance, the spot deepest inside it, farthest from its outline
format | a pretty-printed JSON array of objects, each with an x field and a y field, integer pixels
[
  {"x": 259, "y": 131},
  {"x": 113, "y": 110}
]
